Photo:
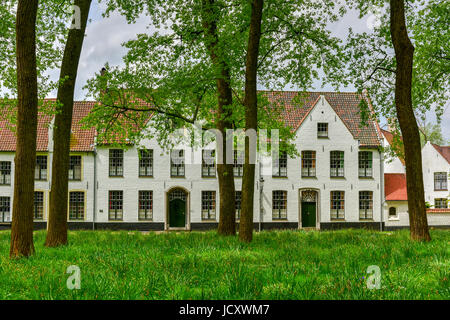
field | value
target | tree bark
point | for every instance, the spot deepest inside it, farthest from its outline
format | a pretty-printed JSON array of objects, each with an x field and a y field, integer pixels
[
  {"x": 404, "y": 54},
  {"x": 251, "y": 121},
  {"x": 27, "y": 108},
  {"x": 57, "y": 219},
  {"x": 227, "y": 218}
]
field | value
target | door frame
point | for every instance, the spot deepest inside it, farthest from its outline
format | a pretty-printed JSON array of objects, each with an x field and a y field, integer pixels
[
  {"x": 187, "y": 225},
  {"x": 317, "y": 191}
]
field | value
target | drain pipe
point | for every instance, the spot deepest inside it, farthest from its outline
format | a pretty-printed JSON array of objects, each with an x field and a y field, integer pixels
[
  {"x": 381, "y": 189},
  {"x": 94, "y": 212},
  {"x": 261, "y": 186}
]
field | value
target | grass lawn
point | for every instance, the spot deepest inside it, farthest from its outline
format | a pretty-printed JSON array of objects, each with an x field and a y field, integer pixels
[{"x": 277, "y": 265}]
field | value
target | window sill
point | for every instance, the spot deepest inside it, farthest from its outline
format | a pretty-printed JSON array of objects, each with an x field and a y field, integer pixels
[
  {"x": 368, "y": 219},
  {"x": 145, "y": 176},
  {"x": 338, "y": 219},
  {"x": 177, "y": 177},
  {"x": 280, "y": 219},
  {"x": 279, "y": 177},
  {"x": 340, "y": 178},
  {"x": 74, "y": 180},
  {"x": 394, "y": 219},
  {"x": 209, "y": 177},
  {"x": 309, "y": 177},
  {"x": 209, "y": 220},
  {"x": 116, "y": 176},
  {"x": 440, "y": 189},
  {"x": 145, "y": 220},
  {"x": 366, "y": 178},
  {"x": 323, "y": 137}
]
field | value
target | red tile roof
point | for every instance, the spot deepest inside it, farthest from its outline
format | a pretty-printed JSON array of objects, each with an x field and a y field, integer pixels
[
  {"x": 438, "y": 210},
  {"x": 443, "y": 150},
  {"x": 298, "y": 105},
  {"x": 81, "y": 139},
  {"x": 395, "y": 186}
]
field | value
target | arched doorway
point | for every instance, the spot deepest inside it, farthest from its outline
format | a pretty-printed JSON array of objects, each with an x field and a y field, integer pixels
[
  {"x": 177, "y": 208},
  {"x": 308, "y": 208}
]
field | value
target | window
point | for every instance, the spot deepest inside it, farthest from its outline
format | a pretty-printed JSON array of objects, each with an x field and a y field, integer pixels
[
  {"x": 392, "y": 212},
  {"x": 145, "y": 163},
  {"x": 75, "y": 168},
  {"x": 40, "y": 171},
  {"x": 322, "y": 130},
  {"x": 5, "y": 172},
  {"x": 440, "y": 203},
  {"x": 145, "y": 205},
  {"x": 115, "y": 205},
  {"x": 308, "y": 163},
  {"x": 208, "y": 205},
  {"x": 76, "y": 205},
  {"x": 365, "y": 164},
  {"x": 280, "y": 165},
  {"x": 5, "y": 209},
  {"x": 279, "y": 205},
  {"x": 38, "y": 205},
  {"x": 365, "y": 205},
  {"x": 440, "y": 181},
  {"x": 337, "y": 163},
  {"x": 238, "y": 197},
  {"x": 208, "y": 163},
  {"x": 177, "y": 163},
  {"x": 116, "y": 163},
  {"x": 337, "y": 205},
  {"x": 238, "y": 164}
]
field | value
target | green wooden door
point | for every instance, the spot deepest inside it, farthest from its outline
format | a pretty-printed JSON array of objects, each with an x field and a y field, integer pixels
[
  {"x": 308, "y": 214},
  {"x": 177, "y": 213}
]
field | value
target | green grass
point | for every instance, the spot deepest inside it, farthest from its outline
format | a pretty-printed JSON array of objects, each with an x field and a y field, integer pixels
[{"x": 276, "y": 265}]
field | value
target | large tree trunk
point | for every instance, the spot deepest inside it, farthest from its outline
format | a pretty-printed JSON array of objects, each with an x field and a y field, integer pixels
[
  {"x": 227, "y": 218},
  {"x": 57, "y": 219},
  {"x": 27, "y": 107},
  {"x": 404, "y": 53},
  {"x": 251, "y": 121}
]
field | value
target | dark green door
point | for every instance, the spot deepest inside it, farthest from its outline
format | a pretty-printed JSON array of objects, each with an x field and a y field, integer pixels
[
  {"x": 308, "y": 214},
  {"x": 177, "y": 213}
]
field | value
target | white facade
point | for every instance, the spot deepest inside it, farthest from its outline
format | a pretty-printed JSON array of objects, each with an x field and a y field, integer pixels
[{"x": 432, "y": 163}]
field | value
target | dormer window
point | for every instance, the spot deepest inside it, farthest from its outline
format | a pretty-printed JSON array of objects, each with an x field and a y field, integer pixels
[{"x": 322, "y": 130}]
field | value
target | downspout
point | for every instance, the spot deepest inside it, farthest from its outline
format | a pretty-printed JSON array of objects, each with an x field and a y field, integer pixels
[
  {"x": 261, "y": 184},
  {"x": 381, "y": 189},
  {"x": 95, "y": 190}
]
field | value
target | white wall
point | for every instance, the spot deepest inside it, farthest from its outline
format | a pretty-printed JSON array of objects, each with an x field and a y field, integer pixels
[{"x": 432, "y": 161}]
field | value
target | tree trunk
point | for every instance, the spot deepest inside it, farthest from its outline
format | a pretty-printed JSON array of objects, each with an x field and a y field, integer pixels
[
  {"x": 227, "y": 218},
  {"x": 251, "y": 121},
  {"x": 404, "y": 54},
  {"x": 57, "y": 219},
  {"x": 27, "y": 107}
]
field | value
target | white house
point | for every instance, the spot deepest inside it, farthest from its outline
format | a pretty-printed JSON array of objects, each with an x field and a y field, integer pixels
[
  {"x": 435, "y": 168},
  {"x": 337, "y": 182}
]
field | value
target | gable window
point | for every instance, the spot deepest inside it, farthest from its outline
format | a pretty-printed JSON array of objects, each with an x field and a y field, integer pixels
[
  {"x": 177, "y": 163},
  {"x": 337, "y": 204},
  {"x": 365, "y": 164},
  {"x": 440, "y": 203},
  {"x": 279, "y": 205},
  {"x": 116, "y": 163},
  {"x": 115, "y": 205},
  {"x": 440, "y": 181},
  {"x": 208, "y": 205},
  {"x": 365, "y": 205},
  {"x": 75, "y": 168},
  {"x": 145, "y": 163},
  {"x": 337, "y": 163},
  {"x": 145, "y": 205},
  {"x": 76, "y": 205},
  {"x": 5, "y": 209},
  {"x": 238, "y": 198},
  {"x": 40, "y": 171},
  {"x": 308, "y": 163},
  {"x": 5, "y": 172},
  {"x": 208, "y": 163},
  {"x": 322, "y": 130},
  {"x": 238, "y": 163},
  {"x": 38, "y": 205},
  {"x": 280, "y": 165},
  {"x": 392, "y": 212}
]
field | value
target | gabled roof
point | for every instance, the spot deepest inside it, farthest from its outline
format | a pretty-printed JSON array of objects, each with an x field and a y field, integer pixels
[
  {"x": 390, "y": 139},
  {"x": 345, "y": 104},
  {"x": 395, "y": 186},
  {"x": 443, "y": 150},
  {"x": 82, "y": 139}
]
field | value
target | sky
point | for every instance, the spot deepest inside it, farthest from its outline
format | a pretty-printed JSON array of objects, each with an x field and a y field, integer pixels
[{"x": 105, "y": 36}]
